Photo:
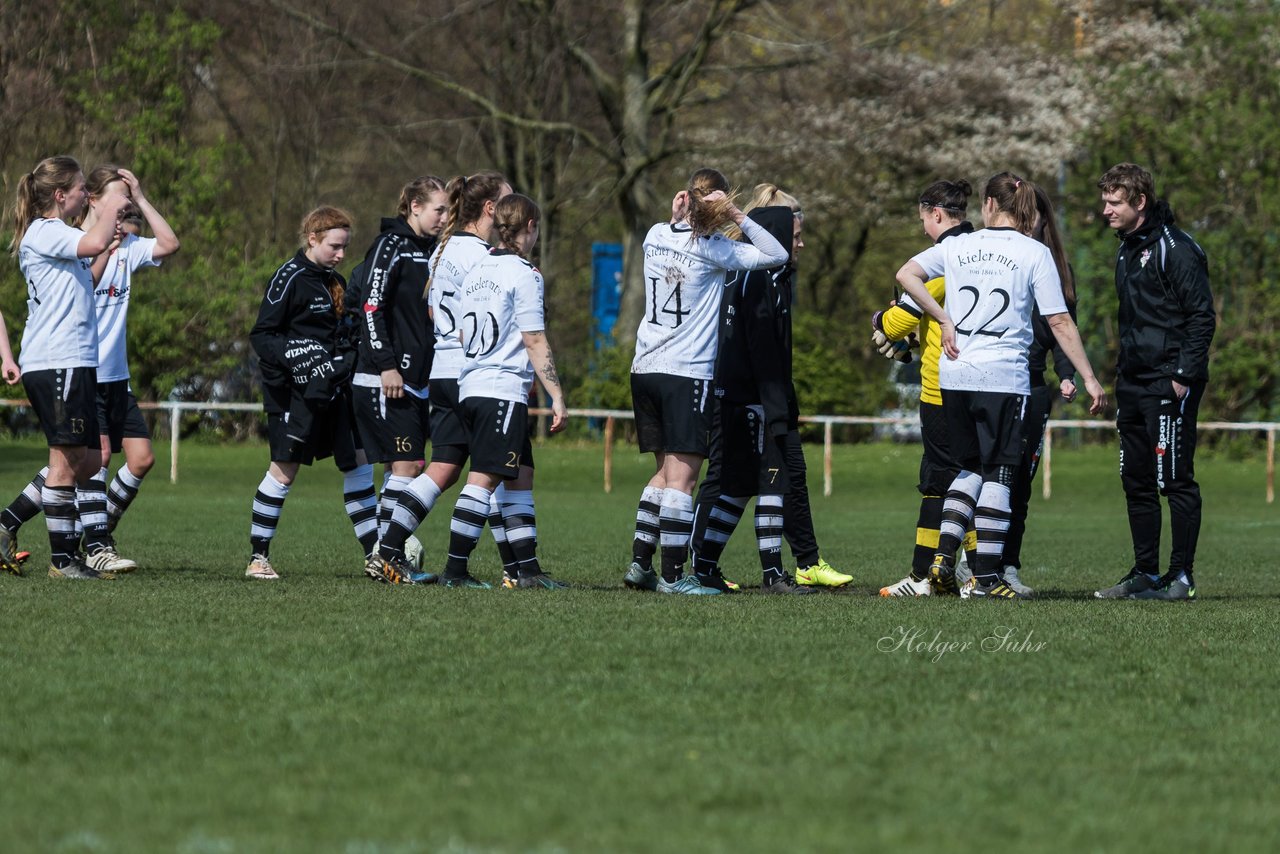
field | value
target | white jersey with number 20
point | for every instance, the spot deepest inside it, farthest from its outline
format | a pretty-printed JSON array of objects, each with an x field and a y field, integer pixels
[
  {"x": 683, "y": 280},
  {"x": 994, "y": 278},
  {"x": 499, "y": 301}
]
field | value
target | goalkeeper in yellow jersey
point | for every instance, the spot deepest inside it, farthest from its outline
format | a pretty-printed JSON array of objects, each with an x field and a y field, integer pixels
[{"x": 942, "y": 213}]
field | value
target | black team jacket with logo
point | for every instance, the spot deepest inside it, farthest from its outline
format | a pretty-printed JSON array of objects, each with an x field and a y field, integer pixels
[
  {"x": 1167, "y": 317},
  {"x": 297, "y": 335},
  {"x": 753, "y": 360},
  {"x": 395, "y": 331}
]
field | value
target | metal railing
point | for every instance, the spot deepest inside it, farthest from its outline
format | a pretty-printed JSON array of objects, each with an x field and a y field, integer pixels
[{"x": 613, "y": 416}]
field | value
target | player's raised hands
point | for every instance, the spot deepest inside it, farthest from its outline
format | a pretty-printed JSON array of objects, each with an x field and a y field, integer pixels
[{"x": 680, "y": 207}]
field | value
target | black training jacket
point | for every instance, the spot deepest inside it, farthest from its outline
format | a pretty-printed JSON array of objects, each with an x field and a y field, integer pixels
[
  {"x": 395, "y": 331},
  {"x": 297, "y": 332},
  {"x": 1167, "y": 317},
  {"x": 753, "y": 358}
]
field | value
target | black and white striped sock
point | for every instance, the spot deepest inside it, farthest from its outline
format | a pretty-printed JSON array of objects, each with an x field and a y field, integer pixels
[
  {"x": 769, "y": 520},
  {"x": 123, "y": 489},
  {"x": 510, "y": 563},
  {"x": 957, "y": 511},
  {"x": 645, "y": 543},
  {"x": 675, "y": 526},
  {"x": 361, "y": 504},
  {"x": 59, "y": 504},
  {"x": 522, "y": 529},
  {"x": 268, "y": 502},
  {"x": 27, "y": 505},
  {"x": 465, "y": 528},
  {"x": 991, "y": 521},
  {"x": 715, "y": 529},
  {"x": 91, "y": 504},
  {"x": 415, "y": 502},
  {"x": 393, "y": 486}
]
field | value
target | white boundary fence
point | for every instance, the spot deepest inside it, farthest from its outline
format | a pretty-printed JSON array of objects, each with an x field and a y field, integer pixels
[{"x": 828, "y": 422}]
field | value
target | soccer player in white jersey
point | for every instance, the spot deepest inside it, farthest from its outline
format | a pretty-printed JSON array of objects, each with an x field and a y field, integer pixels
[
  {"x": 120, "y": 421},
  {"x": 685, "y": 261},
  {"x": 504, "y": 344},
  {"x": 119, "y": 418},
  {"x": 994, "y": 278},
  {"x": 468, "y": 232},
  {"x": 59, "y": 353}
]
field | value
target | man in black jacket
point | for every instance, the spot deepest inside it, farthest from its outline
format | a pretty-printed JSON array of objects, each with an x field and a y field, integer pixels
[{"x": 1166, "y": 321}]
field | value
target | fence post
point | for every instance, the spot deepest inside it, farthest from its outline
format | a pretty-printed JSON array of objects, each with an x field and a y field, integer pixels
[
  {"x": 826, "y": 457},
  {"x": 1271, "y": 465},
  {"x": 1046, "y": 462},
  {"x": 174, "y": 414},
  {"x": 608, "y": 454}
]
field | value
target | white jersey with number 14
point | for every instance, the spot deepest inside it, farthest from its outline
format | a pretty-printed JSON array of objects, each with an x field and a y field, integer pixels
[
  {"x": 994, "y": 278},
  {"x": 683, "y": 280}
]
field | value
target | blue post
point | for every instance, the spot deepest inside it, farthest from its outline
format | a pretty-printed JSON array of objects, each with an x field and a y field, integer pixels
[{"x": 606, "y": 290}]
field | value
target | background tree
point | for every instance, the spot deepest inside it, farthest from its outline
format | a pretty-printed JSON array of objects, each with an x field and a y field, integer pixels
[{"x": 241, "y": 117}]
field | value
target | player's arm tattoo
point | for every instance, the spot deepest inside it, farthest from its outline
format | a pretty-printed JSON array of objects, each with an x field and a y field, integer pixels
[
  {"x": 549, "y": 370},
  {"x": 537, "y": 340}
]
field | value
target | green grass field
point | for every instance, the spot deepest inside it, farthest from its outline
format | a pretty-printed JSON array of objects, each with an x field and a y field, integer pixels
[{"x": 184, "y": 708}]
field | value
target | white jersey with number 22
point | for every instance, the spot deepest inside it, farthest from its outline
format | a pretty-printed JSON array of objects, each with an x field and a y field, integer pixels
[{"x": 994, "y": 278}]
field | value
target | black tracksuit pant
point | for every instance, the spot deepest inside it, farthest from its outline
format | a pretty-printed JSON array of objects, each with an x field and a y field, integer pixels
[
  {"x": 1157, "y": 454},
  {"x": 1039, "y": 404},
  {"x": 797, "y": 518}
]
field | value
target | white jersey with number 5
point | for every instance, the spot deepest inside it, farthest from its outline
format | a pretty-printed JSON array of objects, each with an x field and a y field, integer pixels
[
  {"x": 450, "y": 264},
  {"x": 994, "y": 278},
  {"x": 683, "y": 280},
  {"x": 500, "y": 299}
]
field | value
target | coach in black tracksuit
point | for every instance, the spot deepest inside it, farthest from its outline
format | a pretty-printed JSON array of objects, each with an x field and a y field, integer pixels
[{"x": 1166, "y": 321}]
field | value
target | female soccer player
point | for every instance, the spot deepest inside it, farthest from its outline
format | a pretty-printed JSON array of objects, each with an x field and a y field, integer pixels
[
  {"x": 1040, "y": 400},
  {"x": 59, "y": 356},
  {"x": 468, "y": 232},
  {"x": 994, "y": 278},
  {"x": 390, "y": 386},
  {"x": 755, "y": 444},
  {"x": 504, "y": 345},
  {"x": 119, "y": 419},
  {"x": 942, "y": 209},
  {"x": 305, "y": 373},
  {"x": 685, "y": 261}
]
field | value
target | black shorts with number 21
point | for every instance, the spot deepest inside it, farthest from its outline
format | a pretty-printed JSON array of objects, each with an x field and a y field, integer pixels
[{"x": 498, "y": 432}]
